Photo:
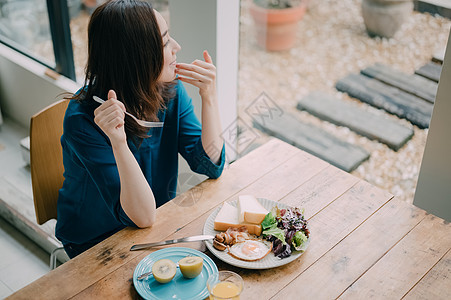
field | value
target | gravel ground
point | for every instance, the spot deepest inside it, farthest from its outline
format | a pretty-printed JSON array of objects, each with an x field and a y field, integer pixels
[{"x": 331, "y": 43}]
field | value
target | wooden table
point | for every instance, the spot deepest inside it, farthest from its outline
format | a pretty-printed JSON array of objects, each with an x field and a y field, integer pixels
[{"x": 364, "y": 242}]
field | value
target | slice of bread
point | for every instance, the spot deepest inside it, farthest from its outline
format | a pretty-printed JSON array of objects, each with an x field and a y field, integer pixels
[
  {"x": 228, "y": 217},
  {"x": 250, "y": 210}
]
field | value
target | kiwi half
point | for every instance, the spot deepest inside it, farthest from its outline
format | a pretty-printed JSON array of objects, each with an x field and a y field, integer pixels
[
  {"x": 164, "y": 270},
  {"x": 191, "y": 266}
]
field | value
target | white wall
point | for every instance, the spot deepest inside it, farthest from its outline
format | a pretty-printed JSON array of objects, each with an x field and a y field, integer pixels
[
  {"x": 433, "y": 192},
  {"x": 24, "y": 87}
]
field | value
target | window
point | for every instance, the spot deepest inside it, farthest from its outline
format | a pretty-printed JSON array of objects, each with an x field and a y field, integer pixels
[
  {"x": 53, "y": 33},
  {"x": 24, "y": 25},
  {"x": 79, "y": 20},
  {"x": 40, "y": 30}
]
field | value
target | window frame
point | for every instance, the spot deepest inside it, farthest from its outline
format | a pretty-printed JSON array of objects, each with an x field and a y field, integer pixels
[{"x": 58, "y": 14}]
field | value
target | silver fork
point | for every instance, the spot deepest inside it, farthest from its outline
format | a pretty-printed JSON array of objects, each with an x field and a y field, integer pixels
[{"x": 140, "y": 122}]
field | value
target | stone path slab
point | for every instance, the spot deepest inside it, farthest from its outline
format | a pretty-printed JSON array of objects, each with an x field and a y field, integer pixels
[
  {"x": 410, "y": 83},
  {"x": 439, "y": 56},
  {"x": 431, "y": 71},
  {"x": 366, "y": 123},
  {"x": 313, "y": 140},
  {"x": 434, "y": 7},
  {"x": 391, "y": 99}
]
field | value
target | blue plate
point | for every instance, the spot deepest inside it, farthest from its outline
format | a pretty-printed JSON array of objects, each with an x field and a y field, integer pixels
[{"x": 179, "y": 287}]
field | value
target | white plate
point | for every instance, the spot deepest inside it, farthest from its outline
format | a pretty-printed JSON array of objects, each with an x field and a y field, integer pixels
[{"x": 269, "y": 261}]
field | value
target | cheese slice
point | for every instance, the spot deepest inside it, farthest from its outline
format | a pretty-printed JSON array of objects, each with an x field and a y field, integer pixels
[
  {"x": 228, "y": 217},
  {"x": 250, "y": 210}
]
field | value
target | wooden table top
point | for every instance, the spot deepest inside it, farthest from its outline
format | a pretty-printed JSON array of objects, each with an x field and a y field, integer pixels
[{"x": 364, "y": 242}]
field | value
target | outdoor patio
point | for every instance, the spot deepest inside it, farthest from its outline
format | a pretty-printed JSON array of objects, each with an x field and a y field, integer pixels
[{"x": 331, "y": 43}]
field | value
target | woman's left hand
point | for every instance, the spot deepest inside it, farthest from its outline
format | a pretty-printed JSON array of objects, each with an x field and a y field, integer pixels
[{"x": 201, "y": 74}]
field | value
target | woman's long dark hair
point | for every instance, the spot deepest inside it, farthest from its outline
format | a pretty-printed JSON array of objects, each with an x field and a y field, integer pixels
[{"x": 125, "y": 50}]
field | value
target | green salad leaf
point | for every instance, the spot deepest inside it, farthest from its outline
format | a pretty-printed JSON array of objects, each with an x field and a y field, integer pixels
[
  {"x": 269, "y": 225},
  {"x": 298, "y": 240},
  {"x": 277, "y": 232},
  {"x": 269, "y": 221}
]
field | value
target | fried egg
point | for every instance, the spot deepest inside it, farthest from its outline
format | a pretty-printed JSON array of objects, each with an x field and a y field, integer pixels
[{"x": 250, "y": 250}]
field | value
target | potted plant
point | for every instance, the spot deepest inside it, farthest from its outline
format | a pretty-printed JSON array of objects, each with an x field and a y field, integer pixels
[
  {"x": 384, "y": 17},
  {"x": 276, "y": 22}
]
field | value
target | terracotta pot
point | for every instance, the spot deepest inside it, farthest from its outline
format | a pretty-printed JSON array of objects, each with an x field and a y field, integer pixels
[
  {"x": 276, "y": 28},
  {"x": 384, "y": 17}
]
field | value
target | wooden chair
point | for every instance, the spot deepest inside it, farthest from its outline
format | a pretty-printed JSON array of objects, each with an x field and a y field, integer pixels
[{"x": 46, "y": 162}]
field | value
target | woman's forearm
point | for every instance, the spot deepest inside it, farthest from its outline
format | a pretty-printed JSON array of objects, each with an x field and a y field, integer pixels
[
  {"x": 202, "y": 74},
  {"x": 137, "y": 199},
  {"x": 212, "y": 140}
]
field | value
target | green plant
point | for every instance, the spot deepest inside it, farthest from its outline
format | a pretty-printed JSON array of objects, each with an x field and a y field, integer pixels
[{"x": 277, "y": 4}]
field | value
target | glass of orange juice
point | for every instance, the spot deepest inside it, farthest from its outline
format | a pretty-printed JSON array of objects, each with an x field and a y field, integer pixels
[{"x": 225, "y": 285}]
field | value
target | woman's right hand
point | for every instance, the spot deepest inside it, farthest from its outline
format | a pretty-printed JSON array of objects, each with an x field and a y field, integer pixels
[{"x": 109, "y": 116}]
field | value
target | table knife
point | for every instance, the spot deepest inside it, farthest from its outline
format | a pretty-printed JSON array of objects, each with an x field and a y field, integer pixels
[{"x": 168, "y": 242}]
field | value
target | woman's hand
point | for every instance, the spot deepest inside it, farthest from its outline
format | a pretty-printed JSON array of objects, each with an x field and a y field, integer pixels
[
  {"x": 109, "y": 116},
  {"x": 201, "y": 74}
]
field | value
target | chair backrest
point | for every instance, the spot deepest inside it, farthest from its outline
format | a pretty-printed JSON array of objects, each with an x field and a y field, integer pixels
[{"x": 46, "y": 159}]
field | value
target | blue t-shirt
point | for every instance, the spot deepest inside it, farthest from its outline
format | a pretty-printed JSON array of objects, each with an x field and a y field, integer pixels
[{"x": 89, "y": 208}]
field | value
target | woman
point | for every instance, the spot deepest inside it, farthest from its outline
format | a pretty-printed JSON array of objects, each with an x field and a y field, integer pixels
[{"x": 116, "y": 172}]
